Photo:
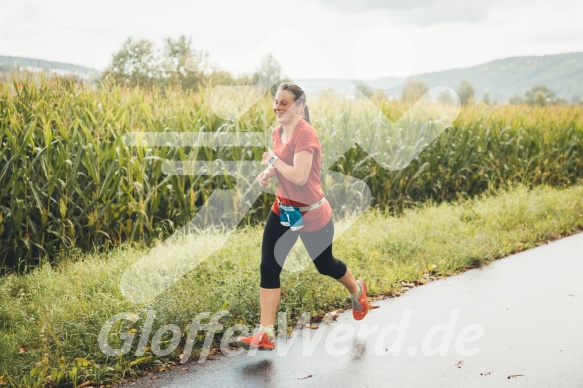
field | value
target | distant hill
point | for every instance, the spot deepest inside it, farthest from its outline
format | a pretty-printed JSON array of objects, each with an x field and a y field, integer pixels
[
  {"x": 501, "y": 79},
  {"x": 8, "y": 64}
]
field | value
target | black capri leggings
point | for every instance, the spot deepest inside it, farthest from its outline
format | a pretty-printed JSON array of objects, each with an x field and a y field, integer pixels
[{"x": 277, "y": 244}]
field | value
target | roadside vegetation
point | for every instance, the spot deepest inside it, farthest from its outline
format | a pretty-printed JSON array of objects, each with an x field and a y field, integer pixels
[{"x": 50, "y": 317}]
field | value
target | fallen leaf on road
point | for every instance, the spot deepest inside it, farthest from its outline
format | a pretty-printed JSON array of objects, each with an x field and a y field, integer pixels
[
  {"x": 329, "y": 317},
  {"x": 373, "y": 306},
  {"x": 513, "y": 376},
  {"x": 459, "y": 364},
  {"x": 312, "y": 326}
]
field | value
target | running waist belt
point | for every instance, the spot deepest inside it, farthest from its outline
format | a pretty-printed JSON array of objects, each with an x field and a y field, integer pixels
[{"x": 291, "y": 215}]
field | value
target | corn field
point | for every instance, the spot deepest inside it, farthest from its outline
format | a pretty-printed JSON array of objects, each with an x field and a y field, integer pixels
[{"x": 68, "y": 180}]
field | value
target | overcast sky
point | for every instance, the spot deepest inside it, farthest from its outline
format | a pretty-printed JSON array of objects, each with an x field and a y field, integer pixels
[{"x": 362, "y": 39}]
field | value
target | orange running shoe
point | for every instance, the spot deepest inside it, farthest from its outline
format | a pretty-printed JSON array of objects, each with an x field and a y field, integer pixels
[
  {"x": 258, "y": 339},
  {"x": 360, "y": 304}
]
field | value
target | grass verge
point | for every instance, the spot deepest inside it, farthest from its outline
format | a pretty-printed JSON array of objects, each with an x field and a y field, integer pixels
[{"x": 50, "y": 319}]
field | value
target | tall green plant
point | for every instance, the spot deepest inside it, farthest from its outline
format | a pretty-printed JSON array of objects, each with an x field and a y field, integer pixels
[{"x": 68, "y": 180}]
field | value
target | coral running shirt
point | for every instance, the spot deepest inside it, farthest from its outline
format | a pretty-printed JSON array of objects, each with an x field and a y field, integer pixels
[{"x": 304, "y": 137}]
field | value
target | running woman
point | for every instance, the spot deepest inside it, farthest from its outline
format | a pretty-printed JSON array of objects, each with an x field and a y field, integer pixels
[{"x": 296, "y": 162}]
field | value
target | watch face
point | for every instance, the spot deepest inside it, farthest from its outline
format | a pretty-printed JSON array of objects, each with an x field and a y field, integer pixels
[{"x": 271, "y": 160}]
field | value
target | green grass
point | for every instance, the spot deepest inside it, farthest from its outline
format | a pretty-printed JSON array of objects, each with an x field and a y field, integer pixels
[{"x": 57, "y": 311}]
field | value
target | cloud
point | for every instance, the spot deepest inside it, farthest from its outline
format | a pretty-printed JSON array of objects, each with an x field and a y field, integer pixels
[
  {"x": 365, "y": 5},
  {"x": 423, "y": 12},
  {"x": 430, "y": 12}
]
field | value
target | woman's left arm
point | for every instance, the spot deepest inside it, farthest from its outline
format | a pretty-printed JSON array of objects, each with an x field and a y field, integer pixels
[{"x": 299, "y": 172}]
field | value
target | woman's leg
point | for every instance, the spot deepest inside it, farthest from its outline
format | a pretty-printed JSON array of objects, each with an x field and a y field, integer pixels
[
  {"x": 268, "y": 299},
  {"x": 319, "y": 246},
  {"x": 272, "y": 260},
  {"x": 349, "y": 281}
]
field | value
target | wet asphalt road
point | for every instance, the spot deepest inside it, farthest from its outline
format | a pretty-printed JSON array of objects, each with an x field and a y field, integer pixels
[{"x": 515, "y": 323}]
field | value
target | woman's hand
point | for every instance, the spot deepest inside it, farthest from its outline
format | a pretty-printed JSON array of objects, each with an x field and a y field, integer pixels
[{"x": 264, "y": 178}]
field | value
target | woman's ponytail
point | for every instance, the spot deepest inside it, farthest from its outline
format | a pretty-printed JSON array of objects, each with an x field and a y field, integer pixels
[{"x": 306, "y": 114}]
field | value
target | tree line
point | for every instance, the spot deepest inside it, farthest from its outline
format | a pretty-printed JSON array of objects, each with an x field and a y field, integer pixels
[
  {"x": 178, "y": 63},
  {"x": 414, "y": 89}
]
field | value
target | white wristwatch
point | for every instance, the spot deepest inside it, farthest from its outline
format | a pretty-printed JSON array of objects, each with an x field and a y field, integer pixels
[{"x": 272, "y": 160}]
